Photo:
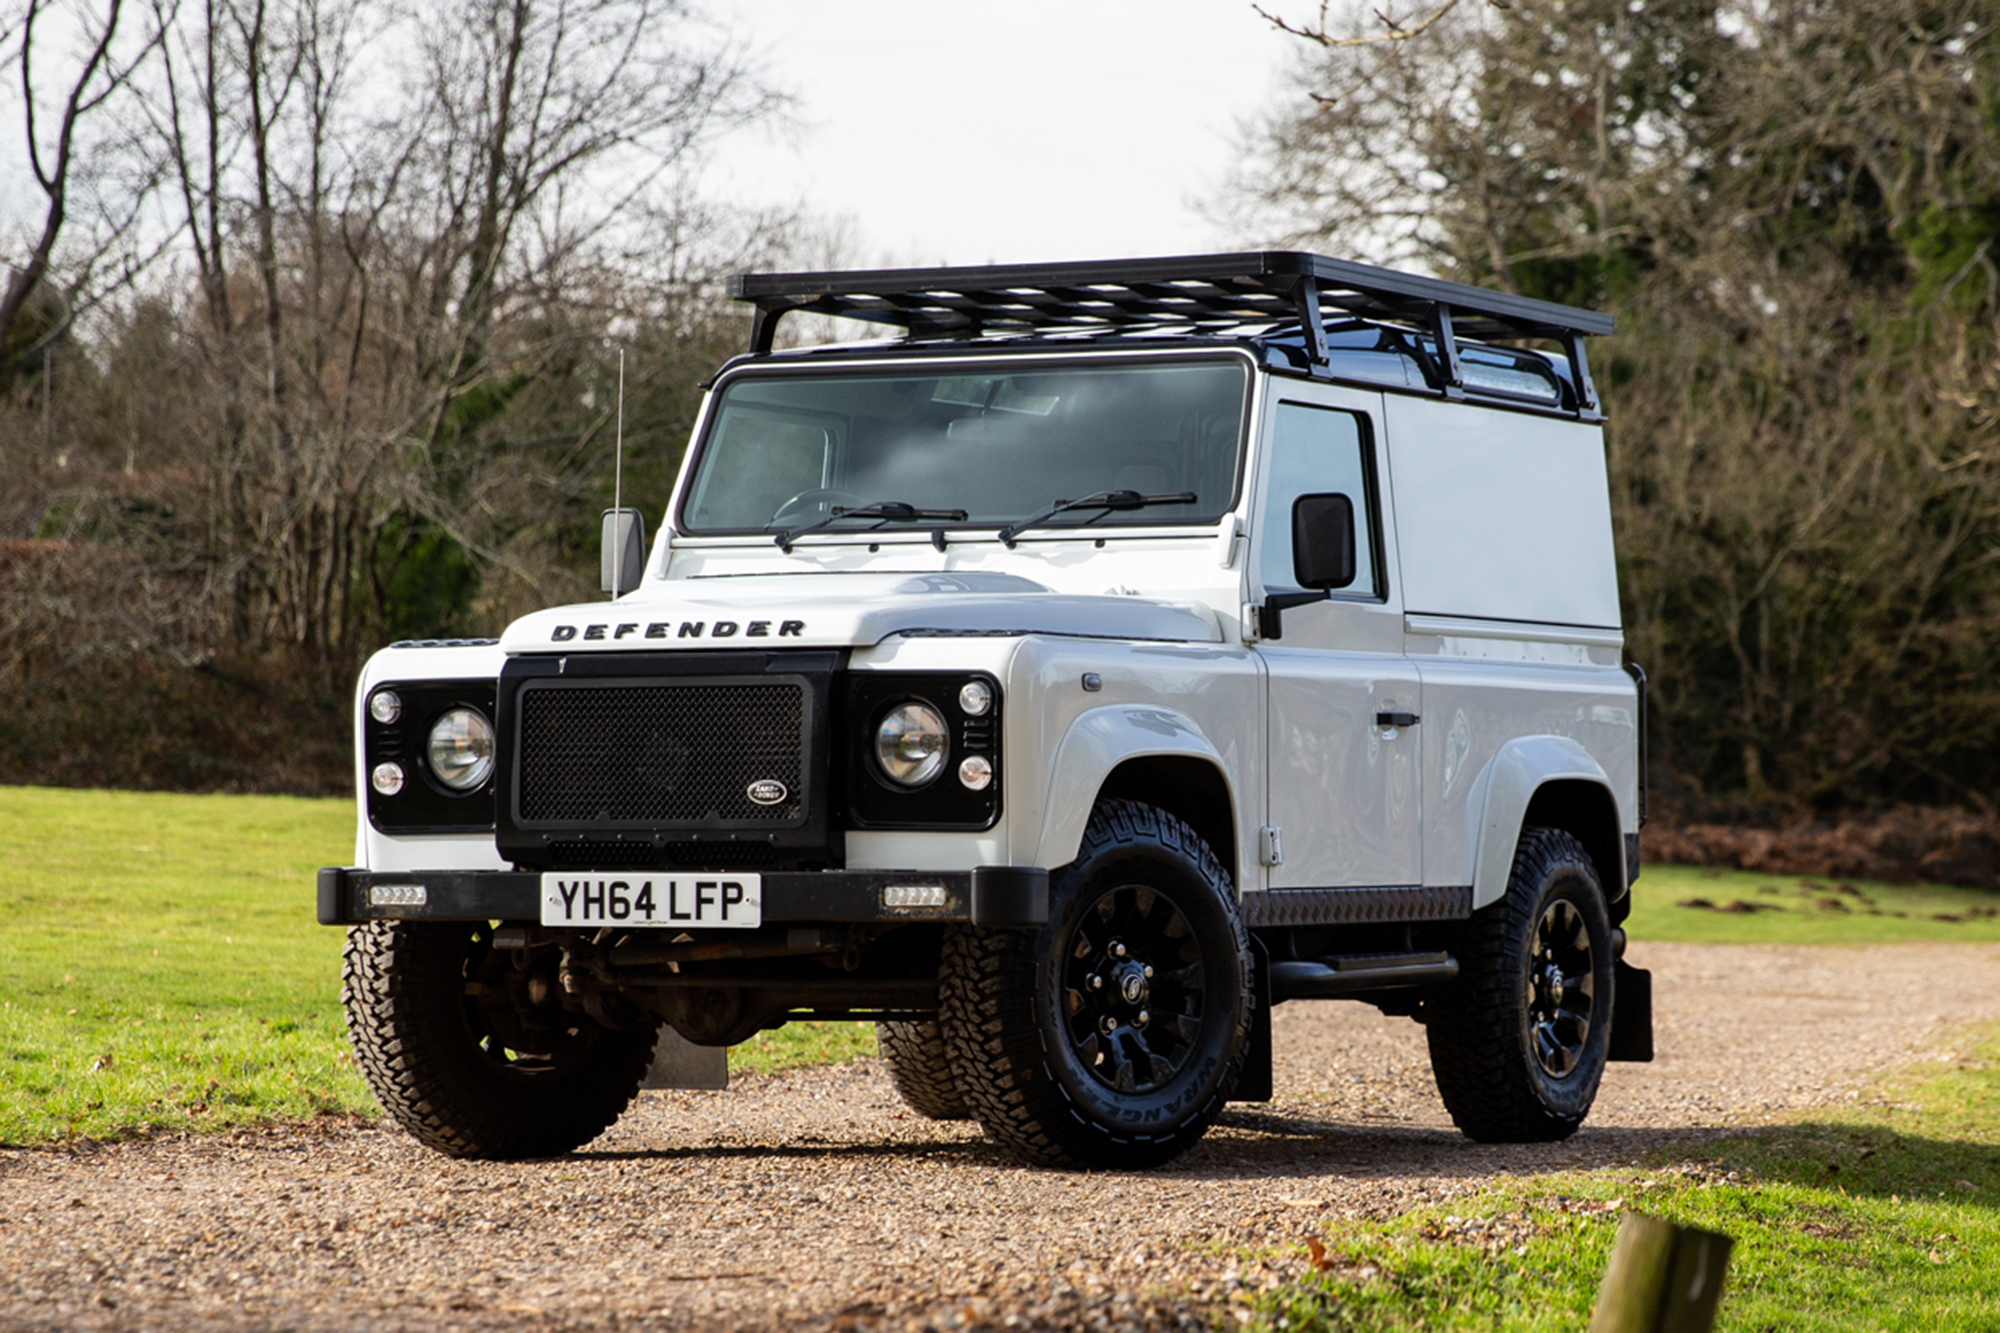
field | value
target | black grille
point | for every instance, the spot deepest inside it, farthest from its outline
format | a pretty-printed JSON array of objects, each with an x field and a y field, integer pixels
[
  {"x": 661, "y": 754},
  {"x": 672, "y": 856},
  {"x": 606, "y": 856},
  {"x": 720, "y": 855}
]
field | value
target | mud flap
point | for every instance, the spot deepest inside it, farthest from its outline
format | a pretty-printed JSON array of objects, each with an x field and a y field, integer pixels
[
  {"x": 1632, "y": 1014},
  {"x": 1254, "y": 1083},
  {"x": 679, "y": 1063}
]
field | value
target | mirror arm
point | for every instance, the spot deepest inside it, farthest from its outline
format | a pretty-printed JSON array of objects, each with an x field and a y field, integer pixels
[{"x": 1271, "y": 615}]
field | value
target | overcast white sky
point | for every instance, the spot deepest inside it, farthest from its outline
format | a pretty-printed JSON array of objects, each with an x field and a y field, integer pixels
[{"x": 955, "y": 132}]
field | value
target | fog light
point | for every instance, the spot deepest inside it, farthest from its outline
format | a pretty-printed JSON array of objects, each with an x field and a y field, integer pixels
[
  {"x": 387, "y": 779},
  {"x": 385, "y": 707},
  {"x": 976, "y": 772},
  {"x": 913, "y": 895},
  {"x": 975, "y": 697},
  {"x": 397, "y": 895}
]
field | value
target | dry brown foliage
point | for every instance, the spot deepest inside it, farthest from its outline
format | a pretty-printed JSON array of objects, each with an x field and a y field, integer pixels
[{"x": 1903, "y": 844}]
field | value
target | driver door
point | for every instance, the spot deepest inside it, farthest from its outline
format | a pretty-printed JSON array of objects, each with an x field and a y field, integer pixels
[{"x": 1343, "y": 785}]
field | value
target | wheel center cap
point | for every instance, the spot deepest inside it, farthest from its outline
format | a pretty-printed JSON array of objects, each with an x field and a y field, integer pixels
[
  {"x": 1552, "y": 984},
  {"x": 1131, "y": 983}
]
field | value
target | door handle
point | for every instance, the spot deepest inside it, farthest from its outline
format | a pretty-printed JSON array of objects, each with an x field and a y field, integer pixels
[{"x": 1397, "y": 719}]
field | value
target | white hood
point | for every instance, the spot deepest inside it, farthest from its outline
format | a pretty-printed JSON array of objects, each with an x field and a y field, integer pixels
[{"x": 845, "y": 610}]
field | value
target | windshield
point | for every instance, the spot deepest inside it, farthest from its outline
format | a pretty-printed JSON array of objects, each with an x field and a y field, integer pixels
[{"x": 785, "y": 449}]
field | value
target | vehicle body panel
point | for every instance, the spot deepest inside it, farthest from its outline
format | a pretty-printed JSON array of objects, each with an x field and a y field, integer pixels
[
  {"x": 1502, "y": 515},
  {"x": 1064, "y": 740}
]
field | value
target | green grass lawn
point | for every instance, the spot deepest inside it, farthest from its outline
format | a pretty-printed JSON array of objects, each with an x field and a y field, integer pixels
[
  {"x": 1885, "y": 1216},
  {"x": 163, "y": 968},
  {"x": 1746, "y": 908},
  {"x": 162, "y": 963}
]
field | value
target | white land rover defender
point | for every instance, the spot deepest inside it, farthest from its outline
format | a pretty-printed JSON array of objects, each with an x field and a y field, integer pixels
[{"x": 1120, "y": 650}]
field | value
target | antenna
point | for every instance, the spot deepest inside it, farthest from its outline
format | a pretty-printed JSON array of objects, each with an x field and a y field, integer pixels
[{"x": 618, "y": 489}]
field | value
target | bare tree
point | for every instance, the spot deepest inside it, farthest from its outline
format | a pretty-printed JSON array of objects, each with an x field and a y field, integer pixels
[
  {"x": 53, "y": 125},
  {"x": 405, "y": 265},
  {"x": 366, "y": 396},
  {"x": 1792, "y": 209}
]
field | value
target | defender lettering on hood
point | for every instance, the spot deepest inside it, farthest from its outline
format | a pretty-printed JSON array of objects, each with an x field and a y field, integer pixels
[{"x": 689, "y": 629}]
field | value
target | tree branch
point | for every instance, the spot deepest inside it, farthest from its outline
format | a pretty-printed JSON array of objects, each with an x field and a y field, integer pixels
[{"x": 1393, "y": 30}]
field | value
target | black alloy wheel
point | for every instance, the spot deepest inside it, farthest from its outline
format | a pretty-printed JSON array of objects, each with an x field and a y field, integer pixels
[
  {"x": 1133, "y": 989},
  {"x": 1112, "y": 1036},
  {"x": 1562, "y": 987}
]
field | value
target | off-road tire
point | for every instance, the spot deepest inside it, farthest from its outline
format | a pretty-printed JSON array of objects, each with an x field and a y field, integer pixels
[
  {"x": 920, "y": 1069},
  {"x": 434, "y": 1063},
  {"x": 1017, "y": 1028},
  {"x": 1483, "y": 1028}
]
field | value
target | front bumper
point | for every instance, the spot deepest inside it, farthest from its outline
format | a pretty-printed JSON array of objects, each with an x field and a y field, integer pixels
[{"x": 1008, "y": 897}]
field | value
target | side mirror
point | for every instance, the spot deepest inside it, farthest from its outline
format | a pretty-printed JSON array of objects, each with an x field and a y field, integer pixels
[
  {"x": 622, "y": 558},
  {"x": 1323, "y": 541},
  {"x": 1322, "y": 558}
]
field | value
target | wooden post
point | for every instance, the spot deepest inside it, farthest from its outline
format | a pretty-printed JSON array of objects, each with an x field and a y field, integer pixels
[{"x": 1662, "y": 1279}]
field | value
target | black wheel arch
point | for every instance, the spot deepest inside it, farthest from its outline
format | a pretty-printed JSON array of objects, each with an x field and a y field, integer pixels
[
  {"x": 1587, "y": 812},
  {"x": 1191, "y": 789}
]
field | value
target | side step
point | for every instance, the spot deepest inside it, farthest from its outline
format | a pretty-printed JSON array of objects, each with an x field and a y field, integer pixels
[{"x": 1347, "y": 975}]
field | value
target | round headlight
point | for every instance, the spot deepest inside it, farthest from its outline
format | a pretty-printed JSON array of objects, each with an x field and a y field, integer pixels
[
  {"x": 910, "y": 744},
  {"x": 461, "y": 749},
  {"x": 385, "y": 707},
  {"x": 975, "y": 697}
]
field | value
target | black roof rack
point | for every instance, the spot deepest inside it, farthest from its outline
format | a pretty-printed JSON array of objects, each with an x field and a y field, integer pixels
[{"x": 1191, "y": 292}]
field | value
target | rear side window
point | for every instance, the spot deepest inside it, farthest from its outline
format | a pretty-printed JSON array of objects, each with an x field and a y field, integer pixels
[{"x": 1315, "y": 450}]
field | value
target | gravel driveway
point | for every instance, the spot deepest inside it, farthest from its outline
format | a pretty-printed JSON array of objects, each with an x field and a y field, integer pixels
[{"x": 812, "y": 1198}]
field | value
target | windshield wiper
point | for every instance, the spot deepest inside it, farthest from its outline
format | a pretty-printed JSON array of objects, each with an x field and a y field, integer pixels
[
  {"x": 888, "y": 511},
  {"x": 1106, "y": 500}
]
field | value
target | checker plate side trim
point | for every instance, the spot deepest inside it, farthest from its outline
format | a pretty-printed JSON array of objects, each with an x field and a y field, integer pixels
[{"x": 1356, "y": 906}]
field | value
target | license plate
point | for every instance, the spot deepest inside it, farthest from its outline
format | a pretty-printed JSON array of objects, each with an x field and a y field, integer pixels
[{"x": 682, "y": 902}]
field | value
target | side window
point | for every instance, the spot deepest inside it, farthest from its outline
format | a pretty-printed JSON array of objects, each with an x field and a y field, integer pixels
[{"x": 1315, "y": 450}]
